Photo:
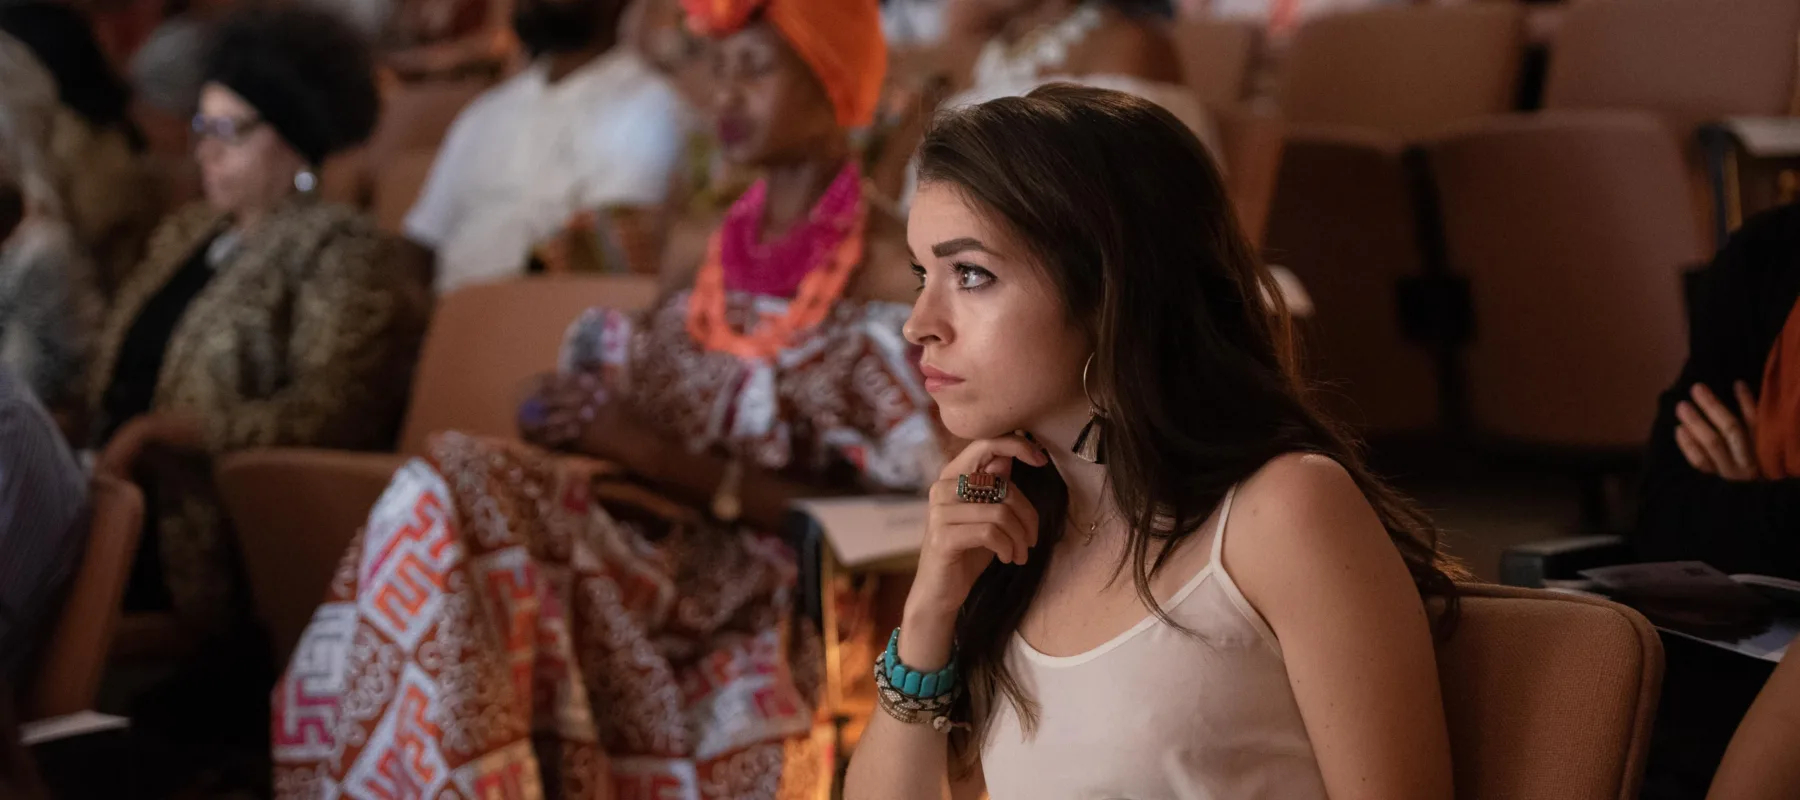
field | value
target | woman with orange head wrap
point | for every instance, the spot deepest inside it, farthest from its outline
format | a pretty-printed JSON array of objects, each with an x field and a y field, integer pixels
[{"x": 602, "y": 612}]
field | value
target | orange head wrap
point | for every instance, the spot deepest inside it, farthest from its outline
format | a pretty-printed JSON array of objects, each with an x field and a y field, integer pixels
[{"x": 840, "y": 39}]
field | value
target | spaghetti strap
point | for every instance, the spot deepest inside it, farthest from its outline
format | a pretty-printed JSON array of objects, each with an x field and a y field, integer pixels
[{"x": 1218, "y": 543}]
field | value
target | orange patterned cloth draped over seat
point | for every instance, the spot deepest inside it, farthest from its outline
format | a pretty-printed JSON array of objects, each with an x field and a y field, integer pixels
[{"x": 520, "y": 624}]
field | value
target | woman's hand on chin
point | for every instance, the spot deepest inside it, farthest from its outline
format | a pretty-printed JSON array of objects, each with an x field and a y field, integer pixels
[{"x": 961, "y": 540}]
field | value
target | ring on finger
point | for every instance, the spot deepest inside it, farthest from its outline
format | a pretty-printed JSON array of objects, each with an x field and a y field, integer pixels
[{"x": 980, "y": 487}]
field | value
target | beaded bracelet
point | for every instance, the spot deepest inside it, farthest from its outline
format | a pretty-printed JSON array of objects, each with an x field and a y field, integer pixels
[
  {"x": 911, "y": 697},
  {"x": 912, "y": 683}
]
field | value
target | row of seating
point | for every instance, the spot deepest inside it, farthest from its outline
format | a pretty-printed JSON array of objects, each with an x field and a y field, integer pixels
[{"x": 1514, "y": 277}]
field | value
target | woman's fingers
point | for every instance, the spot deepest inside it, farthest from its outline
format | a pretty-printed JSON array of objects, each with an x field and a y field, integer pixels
[
  {"x": 1730, "y": 430},
  {"x": 1701, "y": 431},
  {"x": 987, "y": 536},
  {"x": 1695, "y": 454},
  {"x": 1019, "y": 522},
  {"x": 993, "y": 456},
  {"x": 1746, "y": 408}
]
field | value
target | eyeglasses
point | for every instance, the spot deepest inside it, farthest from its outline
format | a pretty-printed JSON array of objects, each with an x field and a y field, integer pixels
[{"x": 224, "y": 129}]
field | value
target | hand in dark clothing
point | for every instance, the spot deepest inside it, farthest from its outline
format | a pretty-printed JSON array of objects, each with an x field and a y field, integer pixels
[{"x": 1737, "y": 307}]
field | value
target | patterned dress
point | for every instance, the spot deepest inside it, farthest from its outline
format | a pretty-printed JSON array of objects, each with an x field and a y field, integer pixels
[{"x": 518, "y": 624}]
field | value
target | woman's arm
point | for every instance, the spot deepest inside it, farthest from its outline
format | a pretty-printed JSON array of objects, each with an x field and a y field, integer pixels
[
  {"x": 695, "y": 477},
  {"x": 1311, "y": 556},
  {"x": 1763, "y": 761}
]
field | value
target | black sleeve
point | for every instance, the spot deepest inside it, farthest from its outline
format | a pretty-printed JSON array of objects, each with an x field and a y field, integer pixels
[{"x": 1737, "y": 306}]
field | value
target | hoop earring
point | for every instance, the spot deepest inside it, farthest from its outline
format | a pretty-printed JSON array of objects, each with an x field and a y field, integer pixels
[{"x": 1090, "y": 444}]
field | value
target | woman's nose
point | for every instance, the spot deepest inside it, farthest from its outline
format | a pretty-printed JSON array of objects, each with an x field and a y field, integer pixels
[{"x": 927, "y": 323}]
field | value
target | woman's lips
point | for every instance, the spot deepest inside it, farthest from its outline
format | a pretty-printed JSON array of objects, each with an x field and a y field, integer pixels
[
  {"x": 733, "y": 131},
  {"x": 936, "y": 379}
]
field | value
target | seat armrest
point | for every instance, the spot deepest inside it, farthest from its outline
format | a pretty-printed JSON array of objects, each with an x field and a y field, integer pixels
[{"x": 1531, "y": 564}]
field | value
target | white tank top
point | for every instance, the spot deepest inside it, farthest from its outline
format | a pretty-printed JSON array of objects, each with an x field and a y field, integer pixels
[{"x": 1157, "y": 713}]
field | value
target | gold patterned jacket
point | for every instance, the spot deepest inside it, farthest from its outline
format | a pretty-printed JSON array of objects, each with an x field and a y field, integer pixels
[{"x": 305, "y": 336}]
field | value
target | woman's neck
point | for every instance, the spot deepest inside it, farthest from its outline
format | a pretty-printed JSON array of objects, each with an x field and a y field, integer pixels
[
  {"x": 1090, "y": 500},
  {"x": 795, "y": 187}
]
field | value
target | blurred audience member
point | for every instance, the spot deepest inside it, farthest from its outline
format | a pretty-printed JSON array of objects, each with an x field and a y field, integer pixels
[
  {"x": 1111, "y": 44},
  {"x": 1723, "y": 479},
  {"x": 107, "y": 193},
  {"x": 260, "y": 317},
  {"x": 166, "y": 73},
  {"x": 912, "y": 23},
  {"x": 50, "y": 304},
  {"x": 590, "y": 129},
  {"x": 440, "y": 39},
  {"x": 1763, "y": 761},
  {"x": 43, "y": 527},
  {"x": 43, "y": 530},
  {"x": 777, "y": 372}
]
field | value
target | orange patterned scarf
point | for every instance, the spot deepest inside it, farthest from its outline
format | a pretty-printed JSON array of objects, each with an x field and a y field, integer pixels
[{"x": 1778, "y": 410}]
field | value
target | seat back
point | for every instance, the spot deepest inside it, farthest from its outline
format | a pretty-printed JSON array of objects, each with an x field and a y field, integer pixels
[
  {"x": 398, "y": 181},
  {"x": 1549, "y": 696},
  {"x": 1345, "y": 221},
  {"x": 1573, "y": 230},
  {"x": 1689, "y": 61},
  {"x": 69, "y": 676},
  {"x": 1406, "y": 70},
  {"x": 295, "y": 512},
  {"x": 1216, "y": 57},
  {"x": 416, "y": 116},
  {"x": 487, "y": 342},
  {"x": 1250, "y": 144}
]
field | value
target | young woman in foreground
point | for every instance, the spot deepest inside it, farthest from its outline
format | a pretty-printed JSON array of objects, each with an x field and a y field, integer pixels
[{"x": 1156, "y": 572}]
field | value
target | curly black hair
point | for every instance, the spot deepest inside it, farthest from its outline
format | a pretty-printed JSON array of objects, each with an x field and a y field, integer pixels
[{"x": 308, "y": 72}]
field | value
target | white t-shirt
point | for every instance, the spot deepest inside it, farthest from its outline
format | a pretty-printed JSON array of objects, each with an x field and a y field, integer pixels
[{"x": 528, "y": 154}]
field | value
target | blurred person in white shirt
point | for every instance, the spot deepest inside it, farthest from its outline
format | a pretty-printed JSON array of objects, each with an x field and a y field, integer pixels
[{"x": 590, "y": 128}]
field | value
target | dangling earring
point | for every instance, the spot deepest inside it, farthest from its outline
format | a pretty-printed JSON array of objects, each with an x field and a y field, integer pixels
[
  {"x": 1090, "y": 444},
  {"x": 305, "y": 181}
]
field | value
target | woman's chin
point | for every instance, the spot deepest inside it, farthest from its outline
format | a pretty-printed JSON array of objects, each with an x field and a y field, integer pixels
[{"x": 971, "y": 425}]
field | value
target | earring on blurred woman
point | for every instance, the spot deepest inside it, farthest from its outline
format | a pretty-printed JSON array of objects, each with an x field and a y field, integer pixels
[
  {"x": 305, "y": 181},
  {"x": 1090, "y": 444}
]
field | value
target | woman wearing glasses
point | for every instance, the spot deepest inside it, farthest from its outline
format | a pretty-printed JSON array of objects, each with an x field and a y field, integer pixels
[{"x": 259, "y": 317}]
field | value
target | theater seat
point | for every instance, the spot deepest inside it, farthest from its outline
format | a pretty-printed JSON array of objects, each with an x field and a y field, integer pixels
[
  {"x": 1360, "y": 89},
  {"x": 398, "y": 181},
  {"x": 487, "y": 342},
  {"x": 1549, "y": 696},
  {"x": 1573, "y": 229},
  {"x": 1216, "y": 58},
  {"x": 295, "y": 512},
  {"x": 68, "y": 678}
]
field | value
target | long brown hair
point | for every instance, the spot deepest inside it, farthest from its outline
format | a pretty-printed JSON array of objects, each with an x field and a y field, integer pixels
[{"x": 1193, "y": 356}]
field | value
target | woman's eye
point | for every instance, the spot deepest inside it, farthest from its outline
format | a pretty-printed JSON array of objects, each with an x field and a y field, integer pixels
[
  {"x": 970, "y": 277},
  {"x": 919, "y": 272}
]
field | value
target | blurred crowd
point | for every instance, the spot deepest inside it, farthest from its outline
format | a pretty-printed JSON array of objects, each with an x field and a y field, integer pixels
[{"x": 206, "y": 251}]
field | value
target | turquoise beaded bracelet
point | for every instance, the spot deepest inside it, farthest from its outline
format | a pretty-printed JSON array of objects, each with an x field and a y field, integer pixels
[{"x": 910, "y": 682}]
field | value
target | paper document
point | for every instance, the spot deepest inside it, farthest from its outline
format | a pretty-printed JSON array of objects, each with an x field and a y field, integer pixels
[
  {"x": 864, "y": 530},
  {"x": 1767, "y": 137},
  {"x": 80, "y": 723}
]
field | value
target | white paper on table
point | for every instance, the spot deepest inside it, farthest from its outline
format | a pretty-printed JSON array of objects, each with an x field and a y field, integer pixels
[
  {"x": 864, "y": 530},
  {"x": 1767, "y": 136},
  {"x": 80, "y": 723}
]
